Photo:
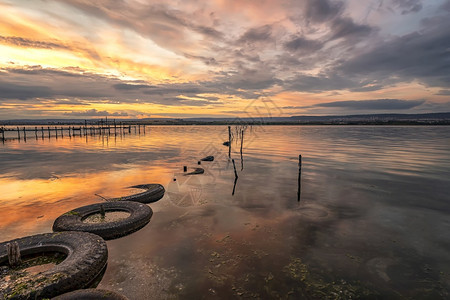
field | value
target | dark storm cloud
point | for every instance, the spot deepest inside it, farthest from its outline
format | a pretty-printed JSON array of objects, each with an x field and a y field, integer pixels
[
  {"x": 129, "y": 87},
  {"x": 422, "y": 55},
  {"x": 446, "y": 5},
  {"x": 28, "y": 43},
  {"x": 263, "y": 33},
  {"x": 444, "y": 92},
  {"x": 346, "y": 27},
  {"x": 408, "y": 6},
  {"x": 303, "y": 45},
  {"x": 23, "y": 92},
  {"x": 51, "y": 85},
  {"x": 378, "y": 104},
  {"x": 322, "y": 10}
]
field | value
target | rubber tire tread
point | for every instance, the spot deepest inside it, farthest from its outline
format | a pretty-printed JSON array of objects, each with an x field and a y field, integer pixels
[
  {"x": 87, "y": 256},
  {"x": 91, "y": 294},
  {"x": 153, "y": 193},
  {"x": 140, "y": 215}
]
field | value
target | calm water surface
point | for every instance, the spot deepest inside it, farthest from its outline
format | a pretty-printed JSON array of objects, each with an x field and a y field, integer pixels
[{"x": 373, "y": 219}]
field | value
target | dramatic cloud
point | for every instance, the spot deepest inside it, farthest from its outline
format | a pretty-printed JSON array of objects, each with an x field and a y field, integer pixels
[
  {"x": 379, "y": 104},
  {"x": 162, "y": 57}
]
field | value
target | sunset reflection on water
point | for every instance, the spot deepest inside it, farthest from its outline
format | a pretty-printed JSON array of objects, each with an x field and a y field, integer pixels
[{"x": 374, "y": 206}]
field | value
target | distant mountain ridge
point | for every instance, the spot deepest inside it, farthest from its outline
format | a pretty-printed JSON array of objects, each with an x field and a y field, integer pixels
[{"x": 427, "y": 118}]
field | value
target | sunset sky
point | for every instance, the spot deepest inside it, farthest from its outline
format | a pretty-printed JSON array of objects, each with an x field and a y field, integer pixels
[{"x": 222, "y": 58}]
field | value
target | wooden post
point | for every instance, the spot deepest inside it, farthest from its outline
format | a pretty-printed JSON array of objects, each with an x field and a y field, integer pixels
[
  {"x": 62, "y": 131},
  {"x": 48, "y": 132},
  {"x": 35, "y": 132},
  {"x": 299, "y": 177},
  {"x": 56, "y": 132},
  {"x": 42, "y": 132},
  {"x": 24, "y": 135},
  {"x": 242, "y": 157},
  {"x": 18, "y": 133},
  {"x": 184, "y": 168},
  {"x": 129, "y": 129},
  {"x": 3, "y": 134},
  {"x": 13, "y": 253},
  {"x": 139, "y": 128},
  {"x": 144, "y": 129},
  {"x": 115, "y": 127},
  {"x": 229, "y": 134}
]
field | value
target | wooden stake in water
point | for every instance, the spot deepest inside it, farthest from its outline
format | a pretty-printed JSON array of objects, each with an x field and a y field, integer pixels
[
  {"x": 18, "y": 133},
  {"x": 3, "y": 134},
  {"x": 13, "y": 254},
  {"x": 299, "y": 177}
]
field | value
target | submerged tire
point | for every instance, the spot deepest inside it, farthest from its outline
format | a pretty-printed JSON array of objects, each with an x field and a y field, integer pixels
[
  {"x": 86, "y": 257},
  {"x": 153, "y": 193},
  {"x": 140, "y": 215},
  {"x": 196, "y": 171},
  {"x": 91, "y": 294}
]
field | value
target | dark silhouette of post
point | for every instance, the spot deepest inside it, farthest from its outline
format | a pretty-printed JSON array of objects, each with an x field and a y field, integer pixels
[
  {"x": 18, "y": 133},
  {"x": 35, "y": 133},
  {"x": 24, "y": 135},
  {"x": 299, "y": 177},
  {"x": 3, "y": 134}
]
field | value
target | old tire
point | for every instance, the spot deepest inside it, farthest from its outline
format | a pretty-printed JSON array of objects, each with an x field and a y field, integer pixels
[
  {"x": 140, "y": 215},
  {"x": 86, "y": 258},
  {"x": 153, "y": 193},
  {"x": 91, "y": 294}
]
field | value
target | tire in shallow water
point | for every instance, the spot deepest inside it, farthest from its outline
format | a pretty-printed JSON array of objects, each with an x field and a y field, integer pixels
[
  {"x": 86, "y": 257},
  {"x": 73, "y": 220},
  {"x": 91, "y": 294},
  {"x": 153, "y": 193}
]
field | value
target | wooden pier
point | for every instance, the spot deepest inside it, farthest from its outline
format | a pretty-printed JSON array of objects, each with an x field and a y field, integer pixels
[{"x": 22, "y": 133}]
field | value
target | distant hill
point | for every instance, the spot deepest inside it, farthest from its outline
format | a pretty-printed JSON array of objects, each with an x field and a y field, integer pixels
[{"x": 367, "y": 119}]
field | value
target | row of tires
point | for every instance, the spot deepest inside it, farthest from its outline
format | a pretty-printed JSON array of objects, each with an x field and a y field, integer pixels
[{"x": 83, "y": 245}]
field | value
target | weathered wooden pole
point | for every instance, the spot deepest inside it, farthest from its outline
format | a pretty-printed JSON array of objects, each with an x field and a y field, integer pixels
[
  {"x": 42, "y": 132},
  {"x": 62, "y": 131},
  {"x": 35, "y": 132},
  {"x": 139, "y": 128},
  {"x": 129, "y": 129},
  {"x": 24, "y": 135},
  {"x": 13, "y": 253},
  {"x": 3, "y": 134},
  {"x": 242, "y": 143},
  {"x": 56, "y": 132},
  {"x": 48, "y": 132},
  {"x": 299, "y": 177},
  {"x": 18, "y": 133},
  {"x": 144, "y": 129}
]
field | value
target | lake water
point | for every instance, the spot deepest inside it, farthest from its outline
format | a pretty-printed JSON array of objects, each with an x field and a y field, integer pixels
[{"x": 373, "y": 219}]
